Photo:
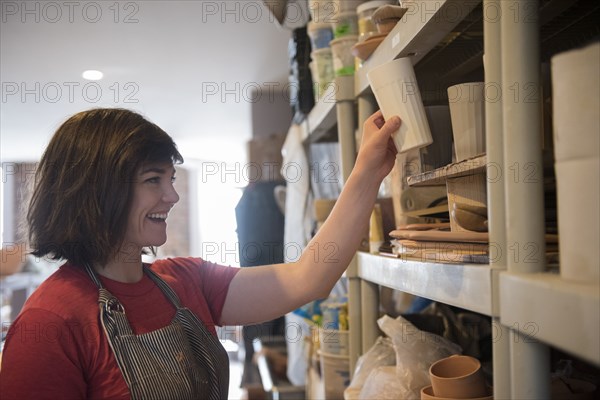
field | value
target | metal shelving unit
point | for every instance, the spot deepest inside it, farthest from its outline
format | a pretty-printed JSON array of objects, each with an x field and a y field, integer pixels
[
  {"x": 322, "y": 118},
  {"x": 531, "y": 309},
  {"x": 466, "y": 286},
  {"x": 561, "y": 313}
]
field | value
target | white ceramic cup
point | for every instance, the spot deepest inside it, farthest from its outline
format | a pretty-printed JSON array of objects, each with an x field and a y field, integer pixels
[
  {"x": 578, "y": 196},
  {"x": 394, "y": 85},
  {"x": 575, "y": 88},
  {"x": 467, "y": 110}
]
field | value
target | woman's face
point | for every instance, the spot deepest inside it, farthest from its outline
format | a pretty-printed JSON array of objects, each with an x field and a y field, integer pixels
[{"x": 153, "y": 198}]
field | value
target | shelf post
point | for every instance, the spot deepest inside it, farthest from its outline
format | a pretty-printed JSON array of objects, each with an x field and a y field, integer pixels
[
  {"x": 344, "y": 96},
  {"x": 354, "y": 314},
  {"x": 495, "y": 188},
  {"x": 370, "y": 312},
  {"x": 523, "y": 171},
  {"x": 521, "y": 123},
  {"x": 366, "y": 107},
  {"x": 346, "y": 123},
  {"x": 369, "y": 291}
]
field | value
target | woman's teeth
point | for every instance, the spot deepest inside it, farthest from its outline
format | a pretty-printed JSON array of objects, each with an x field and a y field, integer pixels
[{"x": 158, "y": 216}]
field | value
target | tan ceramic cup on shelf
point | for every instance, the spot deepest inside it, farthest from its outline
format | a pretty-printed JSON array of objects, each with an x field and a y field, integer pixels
[
  {"x": 467, "y": 109},
  {"x": 458, "y": 377}
]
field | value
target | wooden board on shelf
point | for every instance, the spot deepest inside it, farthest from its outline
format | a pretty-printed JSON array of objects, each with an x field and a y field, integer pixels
[
  {"x": 471, "y": 166},
  {"x": 433, "y": 212}
]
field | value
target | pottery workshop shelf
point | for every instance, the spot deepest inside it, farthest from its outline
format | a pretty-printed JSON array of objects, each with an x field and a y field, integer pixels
[
  {"x": 416, "y": 35},
  {"x": 466, "y": 286},
  {"x": 322, "y": 118},
  {"x": 546, "y": 307},
  {"x": 446, "y": 41}
]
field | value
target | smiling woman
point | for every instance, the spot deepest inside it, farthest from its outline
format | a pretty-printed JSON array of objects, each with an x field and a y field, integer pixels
[
  {"x": 109, "y": 326},
  {"x": 81, "y": 204}
]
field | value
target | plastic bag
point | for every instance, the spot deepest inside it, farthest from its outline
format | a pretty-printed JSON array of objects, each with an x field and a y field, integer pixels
[
  {"x": 380, "y": 354},
  {"x": 383, "y": 384},
  {"x": 415, "y": 351}
]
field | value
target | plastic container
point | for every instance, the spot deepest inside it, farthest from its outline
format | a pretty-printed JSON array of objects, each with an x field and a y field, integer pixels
[
  {"x": 347, "y": 5},
  {"x": 343, "y": 60},
  {"x": 334, "y": 341},
  {"x": 335, "y": 370},
  {"x": 322, "y": 70},
  {"x": 366, "y": 27},
  {"x": 314, "y": 75},
  {"x": 345, "y": 24},
  {"x": 320, "y": 11},
  {"x": 320, "y": 35},
  {"x": 375, "y": 230}
]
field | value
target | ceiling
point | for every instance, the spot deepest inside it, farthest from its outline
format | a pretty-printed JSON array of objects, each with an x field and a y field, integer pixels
[{"x": 189, "y": 66}]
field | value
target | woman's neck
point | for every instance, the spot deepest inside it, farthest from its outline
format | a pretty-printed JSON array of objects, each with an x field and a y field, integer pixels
[{"x": 126, "y": 268}]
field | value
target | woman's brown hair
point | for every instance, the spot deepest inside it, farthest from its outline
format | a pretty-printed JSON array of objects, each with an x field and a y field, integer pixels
[{"x": 83, "y": 190}]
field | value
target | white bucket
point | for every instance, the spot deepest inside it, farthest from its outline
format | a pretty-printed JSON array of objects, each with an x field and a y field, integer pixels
[
  {"x": 347, "y": 5},
  {"x": 345, "y": 24},
  {"x": 467, "y": 110},
  {"x": 366, "y": 27},
  {"x": 333, "y": 341},
  {"x": 395, "y": 87},
  {"x": 320, "y": 35},
  {"x": 336, "y": 374},
  {"x": 321, "y": 11},
  {"x": 343, "y": 59},
  {"x": 322, "y": 70}
]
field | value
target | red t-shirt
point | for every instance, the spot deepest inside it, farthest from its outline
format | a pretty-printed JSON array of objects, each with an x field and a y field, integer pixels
[{"x": 56, "y": 348}]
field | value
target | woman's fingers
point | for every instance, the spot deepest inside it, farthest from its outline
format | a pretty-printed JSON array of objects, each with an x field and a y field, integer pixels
[
  {"x": 377, "y": 121},
  {"x": 390, "y": 126}
]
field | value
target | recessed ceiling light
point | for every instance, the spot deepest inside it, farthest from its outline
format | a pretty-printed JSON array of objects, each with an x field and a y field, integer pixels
[{"x": 92, "y": 75}]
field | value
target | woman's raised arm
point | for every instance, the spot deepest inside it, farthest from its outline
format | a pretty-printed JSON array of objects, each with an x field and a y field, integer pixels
[{"x": 264, "y": 293}]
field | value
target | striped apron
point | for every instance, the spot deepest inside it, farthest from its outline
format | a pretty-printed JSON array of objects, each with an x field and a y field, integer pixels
[{"x": 180, "y": 361}]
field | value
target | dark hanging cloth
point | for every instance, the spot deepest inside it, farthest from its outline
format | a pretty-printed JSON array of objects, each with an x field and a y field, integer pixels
[{"x": 260, "y": 226}]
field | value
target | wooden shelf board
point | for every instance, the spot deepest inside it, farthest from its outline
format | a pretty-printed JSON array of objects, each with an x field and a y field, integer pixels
[{"x": 438, "y": 176}]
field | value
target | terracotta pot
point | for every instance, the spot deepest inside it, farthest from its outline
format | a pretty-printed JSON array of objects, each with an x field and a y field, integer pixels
[
  {"x": 427, "y": 394},
  {"x": 458, "y": 377}
]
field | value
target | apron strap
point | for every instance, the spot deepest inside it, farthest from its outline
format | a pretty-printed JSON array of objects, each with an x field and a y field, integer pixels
[
  {"x": 164, "y": 287},
  {"x": 90, "y": 271}
]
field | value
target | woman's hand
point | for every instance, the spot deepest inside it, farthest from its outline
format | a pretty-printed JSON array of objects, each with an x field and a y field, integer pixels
[{"x": 377, "y": 152}]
